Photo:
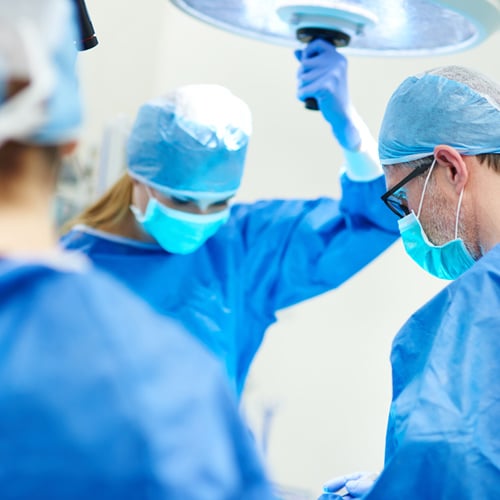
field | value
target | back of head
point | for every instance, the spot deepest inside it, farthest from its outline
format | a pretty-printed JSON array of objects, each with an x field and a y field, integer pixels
[
  {"x": 449, "y": 105},
  {"x": 193, "y": 139},
  {"x": 37, "y": 48}
]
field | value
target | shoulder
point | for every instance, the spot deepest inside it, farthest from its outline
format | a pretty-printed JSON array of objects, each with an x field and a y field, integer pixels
[
  {"x": 120, "y": 325},
  {"x": 482, "y": 278},
  {"x": 137, "y": 316}
]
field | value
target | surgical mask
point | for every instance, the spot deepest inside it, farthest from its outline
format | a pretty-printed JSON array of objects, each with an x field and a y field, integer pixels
[
  {"x": 446, "y": 261},
  {"x": 176, "y": 231}
]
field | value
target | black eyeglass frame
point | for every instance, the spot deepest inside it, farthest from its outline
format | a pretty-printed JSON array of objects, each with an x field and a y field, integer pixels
[{"x": 395, "y": 206}]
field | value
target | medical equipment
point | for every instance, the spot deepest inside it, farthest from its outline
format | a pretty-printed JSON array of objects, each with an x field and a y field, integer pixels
[
  {"x": 335, "y": 24},
  {"x": 88, "y": 37},
  {"x": 375, "y": 27}
]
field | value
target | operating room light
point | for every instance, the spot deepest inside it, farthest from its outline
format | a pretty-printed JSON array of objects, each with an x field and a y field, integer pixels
[{"x": 375, "y": 27}]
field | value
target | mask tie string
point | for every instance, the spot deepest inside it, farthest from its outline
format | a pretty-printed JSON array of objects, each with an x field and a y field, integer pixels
[{"x": 425, "y": 187}]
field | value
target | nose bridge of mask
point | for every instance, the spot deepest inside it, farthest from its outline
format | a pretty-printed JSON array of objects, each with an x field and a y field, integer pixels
[
  {"x": 204, "y": 203},
  {"x": 181, "y": 215},
  {"x": 195, "y": 219},
  {"x": 203, "y": 200}
]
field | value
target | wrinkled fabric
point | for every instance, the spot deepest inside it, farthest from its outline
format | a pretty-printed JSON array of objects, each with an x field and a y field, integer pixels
[
  {"x": 37, "y": 44},
  {"x": 193, "y": 139},
  {"x": 100, "y": 398},
  {"x": 268, "y": 256},
  {"x": 449, "y": 105},
  {"x": 443, "y": 437}
]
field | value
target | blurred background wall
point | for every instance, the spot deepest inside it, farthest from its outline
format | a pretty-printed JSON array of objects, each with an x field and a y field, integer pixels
[{"x": 321, "y": 386}]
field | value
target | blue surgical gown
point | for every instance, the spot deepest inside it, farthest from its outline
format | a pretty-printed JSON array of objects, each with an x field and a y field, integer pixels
[
  {"x": 101, "y": 398},
  {"x": 270, "y": 255},
  {"x": 443, "y": 438}
]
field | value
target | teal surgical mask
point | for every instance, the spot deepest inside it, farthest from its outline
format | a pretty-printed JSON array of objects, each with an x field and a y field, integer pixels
[
  {"x": 446, "y": 261},
  {"x": 177, "y": 231}
]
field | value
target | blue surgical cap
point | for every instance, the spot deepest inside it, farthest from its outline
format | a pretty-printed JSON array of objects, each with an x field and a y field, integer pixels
[
  {"x": 37, "y": 45},
  {"x": 449, "y": 105},
  {"x": 193, "y": 140}
]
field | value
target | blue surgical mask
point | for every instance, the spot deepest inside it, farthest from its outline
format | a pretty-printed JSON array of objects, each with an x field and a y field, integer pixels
[
  {"x": 177, "y": 231},
  {"x": 446, "y": 261}
]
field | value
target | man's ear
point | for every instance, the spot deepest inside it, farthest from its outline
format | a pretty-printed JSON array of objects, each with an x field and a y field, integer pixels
[{"x": 457, "y": 171}]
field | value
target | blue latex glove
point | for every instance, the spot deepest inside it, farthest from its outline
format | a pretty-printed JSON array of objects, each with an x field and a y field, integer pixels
[
  {"x": 356, "y": 485},
  {"x": 323, "y": 75}
]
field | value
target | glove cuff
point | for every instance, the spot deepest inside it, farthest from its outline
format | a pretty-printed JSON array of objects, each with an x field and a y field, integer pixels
[{"x": 363, "y": 164}]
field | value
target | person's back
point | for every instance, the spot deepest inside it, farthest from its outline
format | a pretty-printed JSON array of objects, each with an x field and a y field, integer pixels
[{"x": 99, "y": 396}]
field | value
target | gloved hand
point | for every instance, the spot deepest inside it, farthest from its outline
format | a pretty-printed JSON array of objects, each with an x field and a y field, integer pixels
[
  {"x": 356, "y": 484},
  {"x": 323, "y": 75},
  {"x": 330, "y": 496}
]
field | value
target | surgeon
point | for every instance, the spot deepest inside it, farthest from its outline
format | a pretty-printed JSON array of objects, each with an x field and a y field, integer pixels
[
  {"x": 100, "y": 397},
  {"x": 169, "y": 231},
  {"x": 440, "y": 147}
]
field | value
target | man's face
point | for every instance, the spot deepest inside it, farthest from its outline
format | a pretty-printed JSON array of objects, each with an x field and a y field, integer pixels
[{"x": 438, "y": 204}]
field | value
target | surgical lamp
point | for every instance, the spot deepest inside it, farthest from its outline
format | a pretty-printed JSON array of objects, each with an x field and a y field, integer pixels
[{"x": 365, "y": 27}]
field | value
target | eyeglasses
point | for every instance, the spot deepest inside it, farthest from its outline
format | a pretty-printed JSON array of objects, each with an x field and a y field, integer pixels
[{"x": 397, "y": 203}]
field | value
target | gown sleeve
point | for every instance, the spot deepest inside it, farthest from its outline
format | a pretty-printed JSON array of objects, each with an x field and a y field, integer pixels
[{"x": 297, "y": 249}]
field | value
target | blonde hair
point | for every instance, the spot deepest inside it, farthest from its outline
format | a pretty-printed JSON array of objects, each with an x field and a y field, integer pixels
[{"x": 109, "y": 210}]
